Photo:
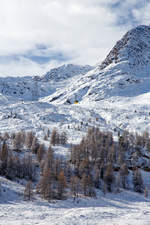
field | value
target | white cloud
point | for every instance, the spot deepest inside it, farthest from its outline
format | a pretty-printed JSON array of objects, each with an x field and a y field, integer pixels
[
  {"x": 82, "y": 30},
  {"x": 143, "y": 14},
  {"x": 25, "y": 67}
]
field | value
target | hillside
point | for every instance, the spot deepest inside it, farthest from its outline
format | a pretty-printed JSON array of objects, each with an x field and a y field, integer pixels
[
  {"x": 116, "y": 91},
  {"x": 118, "y": 88}
]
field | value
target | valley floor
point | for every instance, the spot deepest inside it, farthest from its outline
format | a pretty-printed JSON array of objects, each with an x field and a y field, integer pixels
[{"x": 124, "y": 208}]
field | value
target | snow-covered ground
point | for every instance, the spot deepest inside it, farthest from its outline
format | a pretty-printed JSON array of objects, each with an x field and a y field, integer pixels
[{"x": 125, "y": 208}]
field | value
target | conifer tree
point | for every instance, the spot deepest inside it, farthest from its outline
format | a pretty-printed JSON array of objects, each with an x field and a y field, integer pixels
[
  {"x": 28, "y": 192},
  {"x": 63, "y": 138},
  {"x": 17, "y": 141},
  {"x": 54, "y": 137},
  {"x": 35, "y": 145},
  {"x": 40, "y": 152},
  {"x": 44, "y": 187},
  {"x": 109, "y": 177},
  {"x": 29, "y": 139},
  {"x": 62, "y": 184},
  {"x": 138, "y": 181},
  {"x": 75, "y": 185},
  {"x": 123, "y": 175},
  {"x": 84, "y": 184},
  {"x": 4, "y": 152},
  {"x": 145, "y": 192}
]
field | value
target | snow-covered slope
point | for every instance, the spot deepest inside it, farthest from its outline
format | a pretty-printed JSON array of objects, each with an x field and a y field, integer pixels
[
  {"x": 122, "y": 208},
  {"x": 118, "y": 88},
  {"x": 127, "y": 66},
  {"x": 32, "y": 88},
  {"x": 116, "y": 91},
  {"x": 65, "y": 72},
  {"x": 133, "y": 48}
]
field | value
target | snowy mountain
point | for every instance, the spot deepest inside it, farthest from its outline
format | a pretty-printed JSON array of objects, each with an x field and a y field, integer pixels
[
  {"x": 133, "y": 48},
  {"x": 65, "y": 72},
  {"x": 113, "y": 96},
  {"x": 118, "y": 88},
  {"x": 127, "y": 66},
  {"x": 31, "y": 88},
  {"x": 115, "y": 91}
]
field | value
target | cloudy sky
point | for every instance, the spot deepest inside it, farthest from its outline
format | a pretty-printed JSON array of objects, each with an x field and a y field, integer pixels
[{"x": 36, "y": 35}]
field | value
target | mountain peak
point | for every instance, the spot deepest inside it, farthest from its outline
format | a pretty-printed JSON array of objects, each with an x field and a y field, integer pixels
[
  {"x": 133, "y": 48},
  {"x": 66, "y": 71}
]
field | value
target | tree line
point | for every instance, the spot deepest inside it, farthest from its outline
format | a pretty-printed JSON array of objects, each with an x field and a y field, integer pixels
[{"x": 97, "y": 162}]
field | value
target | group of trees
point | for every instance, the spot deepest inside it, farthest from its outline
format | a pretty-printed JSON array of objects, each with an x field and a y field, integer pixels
[
  {"x": 96, "y": 162},
  {"x": 53, "y": 182},
  {"x": 106, "y": 161},
  {"x": 12, "y": 166},
  {"x": 57, "y": 138},
  {"x": 17, "y": 160}
]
